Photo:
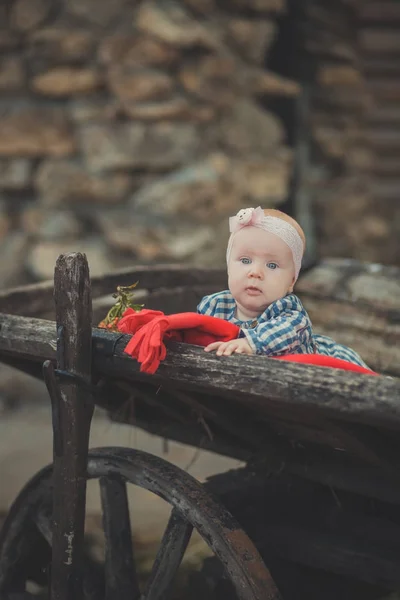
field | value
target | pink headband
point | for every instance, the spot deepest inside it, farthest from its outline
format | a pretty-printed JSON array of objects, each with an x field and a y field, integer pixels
[{"x": 255, "y": 217}]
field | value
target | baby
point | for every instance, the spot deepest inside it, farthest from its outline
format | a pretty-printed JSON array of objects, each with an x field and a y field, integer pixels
[{"x": 264, "y": 256}]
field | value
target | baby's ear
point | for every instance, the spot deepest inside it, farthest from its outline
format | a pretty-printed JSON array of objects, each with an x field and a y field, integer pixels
[{"x": 290, "y": 290}]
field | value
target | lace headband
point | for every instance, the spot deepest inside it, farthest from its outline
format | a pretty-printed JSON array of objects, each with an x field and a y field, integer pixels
[{"x": 255, "y": 217}]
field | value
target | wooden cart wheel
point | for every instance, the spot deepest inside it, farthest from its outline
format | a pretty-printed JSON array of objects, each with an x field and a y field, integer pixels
[{"x": 192, "y": 508}]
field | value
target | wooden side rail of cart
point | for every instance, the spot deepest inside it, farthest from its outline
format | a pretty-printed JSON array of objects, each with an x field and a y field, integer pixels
[{"x": 307, "y": 429}]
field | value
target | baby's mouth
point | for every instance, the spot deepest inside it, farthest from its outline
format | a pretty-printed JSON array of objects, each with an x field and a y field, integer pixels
[{"x": 251, "y": 289}]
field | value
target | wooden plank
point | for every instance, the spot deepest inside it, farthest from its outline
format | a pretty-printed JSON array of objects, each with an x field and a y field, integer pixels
[
  {"x": 72, "y": 414},
  {"x": 302, "y": 522},
  {"x": 374, "y": 287},
  {"x": 334, "y": 553},
  {"x": 328, "y": 391},
  {"x": 283, "y": 398},
  {"x": 377, "y": 342},
  {"x": 27, "y": 338},
  {"x": 371, "y": 325},
  {"x": 37, "y": 299},
  {"x": 357, "y": 305},
  {"x": 335, "y": 469},
  {"x": 338, "y": 472}
]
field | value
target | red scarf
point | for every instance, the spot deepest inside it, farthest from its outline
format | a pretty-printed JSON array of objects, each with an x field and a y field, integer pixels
[{"x": 151, "y": 328}]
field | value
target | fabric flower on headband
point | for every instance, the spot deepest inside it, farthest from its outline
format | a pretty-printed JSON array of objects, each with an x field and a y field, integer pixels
[{"x": 246, "y": 216}]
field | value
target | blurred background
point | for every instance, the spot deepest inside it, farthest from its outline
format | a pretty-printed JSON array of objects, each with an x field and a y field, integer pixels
[{"x": 131, "y": 129}]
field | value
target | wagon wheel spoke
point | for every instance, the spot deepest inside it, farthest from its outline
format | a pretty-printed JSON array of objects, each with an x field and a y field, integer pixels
[
  {"x": 169, "y": 556},
  {"x": 120, "y": 571},
  {"x": 20, "y": 538},
  {"x": 43, "y": 523}
]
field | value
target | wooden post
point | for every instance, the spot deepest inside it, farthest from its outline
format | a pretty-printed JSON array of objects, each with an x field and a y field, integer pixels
[{"x": 72, "y": 414}]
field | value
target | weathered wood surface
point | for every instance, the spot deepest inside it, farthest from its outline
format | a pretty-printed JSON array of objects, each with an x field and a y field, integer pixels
[
  {"x": 72, "y": 413},
  {"x": 268, "y": 400},
  {"x": 242, "y": 406},
  {"x": 36, "y": 300},
  {"x": 304, "y": 522},
  {"x": 357, "y": 305},
  {"x": 263, "y": 384}
]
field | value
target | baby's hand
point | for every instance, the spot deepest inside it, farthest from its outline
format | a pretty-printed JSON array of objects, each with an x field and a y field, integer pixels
[{"x": 240, "y": 346}]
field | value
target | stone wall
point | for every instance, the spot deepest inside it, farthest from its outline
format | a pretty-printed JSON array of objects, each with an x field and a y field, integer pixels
[
  {"x": 355, "y": 204},
  {"x": 130, "y": 129}
]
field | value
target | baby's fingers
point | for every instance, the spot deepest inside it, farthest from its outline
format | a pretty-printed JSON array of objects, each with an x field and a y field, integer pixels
[
  {"x": 213, "y": 346},
  {"x": 227, "y": 349}
]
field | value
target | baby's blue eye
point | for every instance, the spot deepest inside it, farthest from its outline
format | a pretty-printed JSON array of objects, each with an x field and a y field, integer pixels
[
  {"x": 245, "y": 261},
  {"x": 272, "y": 265}
]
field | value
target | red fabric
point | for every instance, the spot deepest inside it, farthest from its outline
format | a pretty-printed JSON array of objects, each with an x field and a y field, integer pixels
[
  {"x": 151, "y": 328},
  {"x": 320, "y": 360}
]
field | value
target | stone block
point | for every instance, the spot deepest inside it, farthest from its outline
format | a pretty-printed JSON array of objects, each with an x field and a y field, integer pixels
[
  {"x": 157, "y": 146},
  {"x": 258, "y": 6},
  {"x": 67, "y": 81},
  {"x": 97, "y": 12},
  {"x": 176, "y": 109},
  {"x": 140, "y": 85},
  {"x": 212, "y": 79},
  {"x": 42, "y": 257},
  {"x": 93, "y": 109},
  {"x": 62, "y": 183},
  {"x": 35, "y": 132},
  {"x": 171, "y": 23},
  {"x": 251, "y": 38},
  {"x": 15, "y": 174},
  {"x": 199, "y": 192},
  {"x": 247, "y": 130},
  {"x": 26, "y": 15},
  {"x": 12, "y": 74},
  {"x": 136, "y": 50},
  {"x": 58, "y": 45}
]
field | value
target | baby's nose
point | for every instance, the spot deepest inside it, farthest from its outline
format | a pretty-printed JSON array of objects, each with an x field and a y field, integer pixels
[{"x": 256, "y": 271}]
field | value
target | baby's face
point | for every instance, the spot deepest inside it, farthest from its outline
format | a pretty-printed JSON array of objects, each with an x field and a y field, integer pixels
[{"x": 260, "y": 271}]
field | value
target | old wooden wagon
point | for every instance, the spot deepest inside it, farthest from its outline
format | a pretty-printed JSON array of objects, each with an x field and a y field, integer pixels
[{"x": 314, "y": 513}]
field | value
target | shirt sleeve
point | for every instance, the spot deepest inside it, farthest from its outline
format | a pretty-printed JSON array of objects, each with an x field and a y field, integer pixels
[
  {"x": 283, "y": 334},
  {"x": 207, "y": 305}
]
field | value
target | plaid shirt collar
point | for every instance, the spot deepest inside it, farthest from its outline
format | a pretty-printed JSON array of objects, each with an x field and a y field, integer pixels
[{"x": 289, "y": 302}]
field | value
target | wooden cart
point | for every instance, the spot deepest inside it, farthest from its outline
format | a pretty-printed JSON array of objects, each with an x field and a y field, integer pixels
[{"x": 321, "y": 487}]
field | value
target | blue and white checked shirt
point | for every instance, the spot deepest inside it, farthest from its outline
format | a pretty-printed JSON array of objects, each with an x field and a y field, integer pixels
[{"x": 283, "y": 328}]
